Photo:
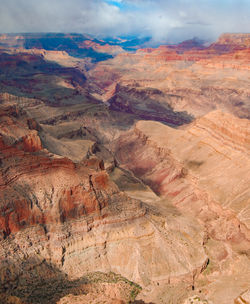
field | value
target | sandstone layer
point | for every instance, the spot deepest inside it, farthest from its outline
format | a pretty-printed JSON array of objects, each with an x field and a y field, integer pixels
[
  {"x": 68, "y": 218},
  {"x": 203, "y": 170},
  {"x": 95, "y": 201},
  {"x": 192, "y": 79}
]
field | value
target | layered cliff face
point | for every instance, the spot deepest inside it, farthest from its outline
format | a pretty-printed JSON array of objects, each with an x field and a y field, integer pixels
[
  {"x": 203, "y": 169},
  {"x": 61, "y": 219},
  {"x": 93, "y": 199},
  {"x": 29, "y": 172},
  {"x": 146, "y": 104},
  {"x": 217, "y": 143},
  {"x": 234, "y": 40},
  {"x": 195, "y": 80},
  {"x": 33, "y": 75}
]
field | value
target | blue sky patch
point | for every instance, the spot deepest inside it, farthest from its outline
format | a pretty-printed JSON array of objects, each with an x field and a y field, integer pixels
[{"x": 115, "y": 3}]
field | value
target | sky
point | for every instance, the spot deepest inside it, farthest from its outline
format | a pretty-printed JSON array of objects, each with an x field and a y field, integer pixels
[{"x": 163, "y": 20}]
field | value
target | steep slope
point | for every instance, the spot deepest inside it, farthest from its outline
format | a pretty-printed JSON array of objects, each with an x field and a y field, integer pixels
[
  {"x": 60, "y": 220},
  {"x": 217, "y": 143},
  {"x": 195, "y": 80},
  {"x": 203, "y": 170},
  {"x": 87, "y": 189}
]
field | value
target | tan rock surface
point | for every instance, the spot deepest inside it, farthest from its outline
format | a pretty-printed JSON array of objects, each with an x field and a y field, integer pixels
[
  {"x": 243, "y": 298},
  {"x": 196, "y": 81},
  {"x": 203, "y": 169},
  {"x": 196, "y": 300},
  {"x": 172, "y": 210},
  {"x": 194, "y": 155},
  {"x": 55, "y": 213}
]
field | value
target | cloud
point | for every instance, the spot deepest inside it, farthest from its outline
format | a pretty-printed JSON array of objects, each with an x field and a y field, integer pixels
[{"x": 162, "y": 19}]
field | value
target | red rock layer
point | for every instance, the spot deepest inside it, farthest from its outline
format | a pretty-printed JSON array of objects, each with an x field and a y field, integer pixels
[
  {"x": 25, "y": 166},
  {"x": 192, "y": 79}
]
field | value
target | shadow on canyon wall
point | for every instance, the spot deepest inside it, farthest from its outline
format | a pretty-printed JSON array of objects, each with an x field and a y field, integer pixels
[{"x": 35, "y": 281}]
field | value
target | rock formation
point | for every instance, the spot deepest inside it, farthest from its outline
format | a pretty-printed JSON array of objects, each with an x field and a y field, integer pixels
[
  {"x": 195, "y": 80},
  {"x": 73, "y": 217},
  {"x": 243, "y": 298},
  {"x": 126, "y": 178},
  {"x": 197, "y": 168},
  {"x": 234, "y": 41}
]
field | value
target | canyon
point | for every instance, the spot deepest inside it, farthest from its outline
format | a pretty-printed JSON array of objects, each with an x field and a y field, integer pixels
[{"x": 124, "y": 170}]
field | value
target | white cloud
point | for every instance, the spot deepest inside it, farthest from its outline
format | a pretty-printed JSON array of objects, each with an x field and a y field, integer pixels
[{"x": 163, "y": 19}]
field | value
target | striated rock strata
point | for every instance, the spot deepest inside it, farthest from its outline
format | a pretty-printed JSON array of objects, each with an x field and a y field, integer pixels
[
  {"x": 203, "y": 169},
  {"x": 181, "y": 226},
  {"x": 64, "y": 218},
  {"x": 196, "y": 80}
]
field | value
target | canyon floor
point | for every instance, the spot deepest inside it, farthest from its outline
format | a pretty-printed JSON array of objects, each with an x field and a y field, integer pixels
[{"x": 124, "y": 174}]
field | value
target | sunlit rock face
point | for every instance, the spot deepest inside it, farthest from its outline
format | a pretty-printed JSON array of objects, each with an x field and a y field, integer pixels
[
  {"x": 70, "y": 215},
  {"x": 243, "y": 298},
  {"x": 181, "y": 164},
  {"x": 184, "y": 78},
  {"x": 203, "y": 170},
  {"x": 133, "y": 170},
  {"x": 235, "y": 41}
]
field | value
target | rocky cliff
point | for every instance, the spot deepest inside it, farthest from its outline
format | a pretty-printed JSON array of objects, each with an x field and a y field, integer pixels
[
  {"x": 94, "y": 201},
  {"x": 64, "y": 218},
  {"x": 195, "y": 80},
  {"x": 197, "y": 168},
  {"x": 237, "y": 40}
]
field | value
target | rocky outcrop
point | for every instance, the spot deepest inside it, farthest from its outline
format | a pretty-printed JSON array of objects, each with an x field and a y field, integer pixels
[
  {"x": 102, "y": 48},
  {"x": 203, "y": 170},
  {"x": 234, "y": 41},
  {"x": 197, "y": 300},
  {"x": 31, "y": 142},
  {"x": 224, "y": 127},
  {"x": 146, "y": 104},
  {"x": 244, "y": 298},
  {"x": 24, "y": 162},
  {"x": 176, "y": 162},
  {"x": 65, "y": 218},
  {"x": 196, "y": 80},
  {"x": 61, "y": 215}
]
